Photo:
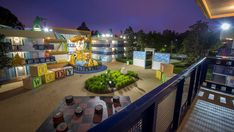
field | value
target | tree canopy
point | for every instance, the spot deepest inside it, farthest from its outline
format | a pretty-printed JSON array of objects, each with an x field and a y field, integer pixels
[
  {"x": 83, "y": 26},
  {"x": 195, "y": 42},
  {"x": 199, "y": 40},
  {"x": 167, "y": 41},
  {"x": 130, "y": 45},
  {"x": 9, "y": 19},
  {"x": 5, "y": 47}
]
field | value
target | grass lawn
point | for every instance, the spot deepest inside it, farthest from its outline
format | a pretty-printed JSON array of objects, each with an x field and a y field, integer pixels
[{"x": 179, "y": 66}]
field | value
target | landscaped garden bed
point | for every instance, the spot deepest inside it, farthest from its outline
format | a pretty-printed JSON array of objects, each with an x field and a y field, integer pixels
[
  {"x": 110, "y": 81},
  {"x": 124, "y": 60}
]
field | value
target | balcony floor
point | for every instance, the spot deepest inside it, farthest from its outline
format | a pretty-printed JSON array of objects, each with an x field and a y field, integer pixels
[{"x": 211, "y": 111}]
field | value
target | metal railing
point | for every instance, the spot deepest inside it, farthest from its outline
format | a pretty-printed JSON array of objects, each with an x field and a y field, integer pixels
[
  {"x": 220, "y": 75},
  {"x": 163, "y": 108}
]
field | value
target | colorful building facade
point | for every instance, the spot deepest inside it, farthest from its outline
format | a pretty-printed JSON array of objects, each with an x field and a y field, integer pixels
[
  {"x": 27, "y": 46},
  {"x": 55, "y": 46},
  {"x": 107, "y": 49}
]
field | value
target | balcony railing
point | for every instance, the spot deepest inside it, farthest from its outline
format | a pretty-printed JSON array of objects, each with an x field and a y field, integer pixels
[
  {"x": 163, "y": 108},
  {"x": 40, "y": 60}
]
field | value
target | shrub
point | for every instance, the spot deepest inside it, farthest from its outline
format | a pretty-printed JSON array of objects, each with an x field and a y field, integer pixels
[
  {"x": 133, "y": 74},
  {"x": 96, "y": 83},
  {"x": 101, "y": 83}
]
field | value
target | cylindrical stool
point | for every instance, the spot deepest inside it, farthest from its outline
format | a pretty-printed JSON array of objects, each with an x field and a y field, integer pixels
[
  {"x": 69, "y": 99},
  {"x": 116, "y": 99},
  {"x": 78, "y": 111},
  {"x": 62, "y": 127},
  {"x": 58, "y": 118},
  {"x": 99, "y": 109}
]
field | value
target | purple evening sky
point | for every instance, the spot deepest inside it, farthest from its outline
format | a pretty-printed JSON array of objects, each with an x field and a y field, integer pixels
[{"x": 105, "y": 14}]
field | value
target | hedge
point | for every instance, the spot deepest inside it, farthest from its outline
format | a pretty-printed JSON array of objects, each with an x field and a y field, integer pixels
[{"x": 110, "y": 81}]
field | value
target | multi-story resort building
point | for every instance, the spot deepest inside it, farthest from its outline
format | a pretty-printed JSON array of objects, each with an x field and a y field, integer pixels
[
  {"x": 28, "y": 45},
  {"x": 53, "y": 46},
  {"x": 107, "y": 48}
]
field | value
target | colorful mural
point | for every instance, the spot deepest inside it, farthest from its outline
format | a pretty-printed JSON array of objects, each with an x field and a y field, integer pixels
[
  {"x": 139, "y": 55},
  {"x": 162, "y": 57}
]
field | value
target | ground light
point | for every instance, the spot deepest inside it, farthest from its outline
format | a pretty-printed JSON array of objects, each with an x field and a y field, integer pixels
[{"x": 225, "y": 26}]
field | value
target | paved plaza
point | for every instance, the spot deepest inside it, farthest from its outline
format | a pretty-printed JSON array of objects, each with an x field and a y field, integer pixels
[{"x": 26, "y": 110}]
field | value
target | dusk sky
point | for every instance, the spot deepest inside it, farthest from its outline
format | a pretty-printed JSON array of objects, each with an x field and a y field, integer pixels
[{"x": 105, "y": 14}]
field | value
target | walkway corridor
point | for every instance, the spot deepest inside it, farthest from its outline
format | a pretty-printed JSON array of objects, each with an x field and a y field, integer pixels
[{"x": 211, "y": 111}]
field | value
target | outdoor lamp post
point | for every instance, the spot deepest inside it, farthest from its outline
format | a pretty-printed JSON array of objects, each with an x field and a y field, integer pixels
[
  {"x": 225, "y": 26},
  {"x": 226, "y": 30}
]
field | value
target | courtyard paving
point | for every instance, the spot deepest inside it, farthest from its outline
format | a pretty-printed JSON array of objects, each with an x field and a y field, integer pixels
[{"x": 25, "y": 111}]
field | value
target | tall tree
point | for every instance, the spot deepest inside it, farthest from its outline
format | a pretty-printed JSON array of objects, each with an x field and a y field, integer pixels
[
  {"x": 169, "y": 40},
  {"x": 9, "y": 19},
  {"x": 140, "y": 40},
  {"x": 180, "y": 39},
  {"x": 83, "y": 26},
  {"x": 199, "y": 40},
  {"x": 95, "y": 33},
  {"x": 154, "y": 40},
  {"x": 130, "y": 38},
  {"x": 5, "y": 47}
]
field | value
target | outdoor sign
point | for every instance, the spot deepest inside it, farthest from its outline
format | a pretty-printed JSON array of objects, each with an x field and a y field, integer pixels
[
  {"x": 139, "y": 58},
  {"x": 162, "y": 57},
  {"x": 159, "y": 58}
]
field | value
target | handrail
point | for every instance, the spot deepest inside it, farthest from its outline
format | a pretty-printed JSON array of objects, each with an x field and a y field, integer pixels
[{"x": 144, "y": 102}]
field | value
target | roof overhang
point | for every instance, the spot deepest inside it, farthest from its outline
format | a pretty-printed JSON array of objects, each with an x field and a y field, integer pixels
[
  {"x": 70, "y": 31},
  {"x": 26, "y": 33},
  {"x": 217, "y": 8}
]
